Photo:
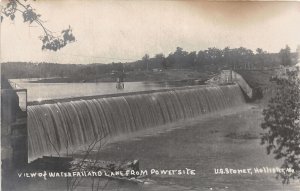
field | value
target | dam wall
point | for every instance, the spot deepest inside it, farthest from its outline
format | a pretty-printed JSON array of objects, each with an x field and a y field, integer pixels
[
  {"x": 230, "y": 76},
  {"x": 52, "y": 127}
]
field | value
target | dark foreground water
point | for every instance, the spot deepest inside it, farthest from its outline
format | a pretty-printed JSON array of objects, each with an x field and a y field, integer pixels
[{"x": 225, "y": 140}]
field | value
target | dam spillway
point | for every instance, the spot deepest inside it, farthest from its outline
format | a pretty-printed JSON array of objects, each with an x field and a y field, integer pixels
[{"x": 56, "y": 126}]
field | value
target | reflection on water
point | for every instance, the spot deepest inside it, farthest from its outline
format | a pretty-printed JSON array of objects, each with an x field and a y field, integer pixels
[{"x": 46, "y": 91}]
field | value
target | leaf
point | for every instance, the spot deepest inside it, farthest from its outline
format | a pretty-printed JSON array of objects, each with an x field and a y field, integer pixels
[{"x": 12, "y": 17}]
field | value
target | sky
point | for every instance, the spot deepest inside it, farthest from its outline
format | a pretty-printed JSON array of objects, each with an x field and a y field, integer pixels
[{"x": 124, "y": 31}]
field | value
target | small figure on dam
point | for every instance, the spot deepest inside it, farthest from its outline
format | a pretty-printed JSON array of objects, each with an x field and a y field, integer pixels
[
  {"x": 120, "y": 80},
  {"x": 120, "y": 83}
]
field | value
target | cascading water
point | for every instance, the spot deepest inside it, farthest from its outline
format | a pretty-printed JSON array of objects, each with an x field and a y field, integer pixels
[{"x": 54, "y": 127}]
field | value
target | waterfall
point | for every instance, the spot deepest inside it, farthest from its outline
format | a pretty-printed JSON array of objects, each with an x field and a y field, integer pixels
[{"x": 54, "y": 127}]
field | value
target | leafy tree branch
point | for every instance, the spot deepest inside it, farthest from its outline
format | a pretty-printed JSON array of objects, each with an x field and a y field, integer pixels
[
  {"x": 29, "y": 14},
  {"x": 282, "y": 123}
]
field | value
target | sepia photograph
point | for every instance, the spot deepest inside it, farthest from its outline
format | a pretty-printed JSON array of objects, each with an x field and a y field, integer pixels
[{"x": 151, "y": 95}]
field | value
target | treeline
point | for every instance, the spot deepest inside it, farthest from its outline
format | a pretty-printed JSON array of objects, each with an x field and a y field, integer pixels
[
  {"x": 211, "y": 59},
  {"x": 214, "y": 59},
  {"x": 48, "y": 70}
]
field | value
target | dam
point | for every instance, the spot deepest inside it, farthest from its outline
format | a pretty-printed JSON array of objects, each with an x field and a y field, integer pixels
[
  {"x": 197, "y": 127},
  {"x": 53, "y": 127}
]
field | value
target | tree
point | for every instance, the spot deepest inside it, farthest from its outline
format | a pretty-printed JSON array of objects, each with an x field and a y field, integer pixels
[
  {"x": 192, "y": 59},
  {"x": 285, "y": 56},
  {"x": 180, "y": 57},
  {"x": 227, "y": 57},
  {"x": 201, "y": 58},
  {"x": 260, "y": 57},
  {"x": 50, "y": 42},
  {"x": 160, "y": 58},
  {"x": 282, "y": 122},
  {"x": 259, "y": 51},
  {"x": 145, "y": 60}
]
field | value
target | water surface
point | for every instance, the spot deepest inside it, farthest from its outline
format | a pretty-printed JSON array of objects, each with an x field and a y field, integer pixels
[{"x": 48, "y": 91}]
